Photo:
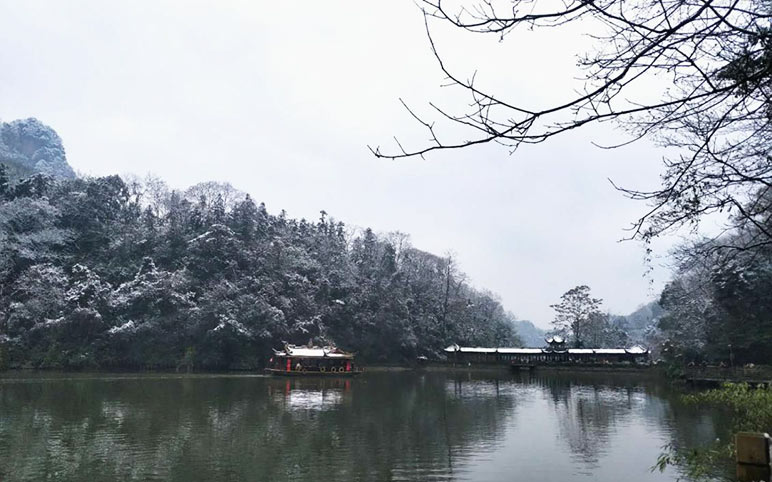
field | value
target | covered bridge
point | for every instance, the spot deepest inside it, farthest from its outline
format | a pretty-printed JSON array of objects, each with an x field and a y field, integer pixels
[{"x": 554, "y": 354}]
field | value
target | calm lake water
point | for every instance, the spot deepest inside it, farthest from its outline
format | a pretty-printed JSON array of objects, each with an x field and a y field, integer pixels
[{"x": 382, "y": 426}]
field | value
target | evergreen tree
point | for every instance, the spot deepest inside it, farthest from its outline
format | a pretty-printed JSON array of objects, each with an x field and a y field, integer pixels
[{"x": 4, "y": 181}]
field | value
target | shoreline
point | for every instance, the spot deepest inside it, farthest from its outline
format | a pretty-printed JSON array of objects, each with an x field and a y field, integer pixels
[
  {"x": 716, "y": 377},
  {"x": 502, "y": 368}
]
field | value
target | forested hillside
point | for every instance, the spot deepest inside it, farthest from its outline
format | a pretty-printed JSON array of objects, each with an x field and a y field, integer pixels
[{"x": 102, "y": 272}]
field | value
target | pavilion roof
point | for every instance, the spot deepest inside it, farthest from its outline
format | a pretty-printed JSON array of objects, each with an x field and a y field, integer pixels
[{"x": 312, "y": 352}]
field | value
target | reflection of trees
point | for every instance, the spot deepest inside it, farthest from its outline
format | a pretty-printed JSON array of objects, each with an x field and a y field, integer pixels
[
  {"x": 220, "y": 428},
  {"x": 587, "y": 415},
  {"x": 480, "y": 402},
  {"x": 406, "y": 427},
  {"x": 378, "y": 427},
  {"x": 693, "y": 429},
  {"x": 590, "y": 406}
]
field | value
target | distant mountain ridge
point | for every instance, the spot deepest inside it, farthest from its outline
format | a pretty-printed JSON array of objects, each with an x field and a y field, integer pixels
[
  {"x": 638, "y": 325},
  {"x": 642, "y": 321},
  {"x": 530, "y": 334},
  {"x": 27, "y": 146}
]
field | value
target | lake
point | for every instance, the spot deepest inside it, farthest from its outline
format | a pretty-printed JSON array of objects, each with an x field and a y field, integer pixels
[{"x": 401, "y": 426}]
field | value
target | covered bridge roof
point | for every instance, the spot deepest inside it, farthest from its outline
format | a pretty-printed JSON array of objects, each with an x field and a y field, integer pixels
[{"x": 634, "y": 350}]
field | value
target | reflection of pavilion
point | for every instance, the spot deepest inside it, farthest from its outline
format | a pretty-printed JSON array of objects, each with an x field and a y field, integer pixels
[{"x": 320, "y": 395}]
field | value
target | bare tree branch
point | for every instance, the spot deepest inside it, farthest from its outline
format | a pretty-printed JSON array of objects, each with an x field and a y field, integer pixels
[{"x": 716, "y": 109}]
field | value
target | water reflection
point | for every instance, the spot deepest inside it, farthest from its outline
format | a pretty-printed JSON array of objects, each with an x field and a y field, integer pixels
[
  {"x": 310, "y": 394},
  {"x": 381, "y": 426}
]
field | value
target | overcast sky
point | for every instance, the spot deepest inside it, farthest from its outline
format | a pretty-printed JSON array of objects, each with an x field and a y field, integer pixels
[{"x": 281, "y": 99}]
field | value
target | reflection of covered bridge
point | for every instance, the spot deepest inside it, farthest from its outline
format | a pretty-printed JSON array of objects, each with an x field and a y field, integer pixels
[{"x": 554, "y": 354}]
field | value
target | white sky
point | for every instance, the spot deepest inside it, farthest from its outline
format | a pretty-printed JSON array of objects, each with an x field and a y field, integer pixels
[{"x": 281, "y": 98}]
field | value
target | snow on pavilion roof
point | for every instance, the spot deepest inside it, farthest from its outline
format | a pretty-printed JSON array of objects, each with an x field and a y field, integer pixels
[
  {"x": 637, "y": 349},
  {"x": 313, "y": 352}
]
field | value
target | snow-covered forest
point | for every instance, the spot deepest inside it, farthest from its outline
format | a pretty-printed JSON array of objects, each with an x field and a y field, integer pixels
[
  {"x": 107, "y": 272},
  {"x": 128, "y": 273},
  {"x": 718, "y": 308}
]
